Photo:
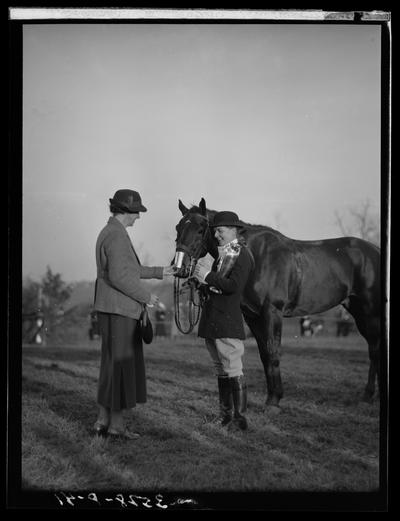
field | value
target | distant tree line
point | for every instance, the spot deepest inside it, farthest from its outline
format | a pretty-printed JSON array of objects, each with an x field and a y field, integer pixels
[{"x": 43, "y": 308}]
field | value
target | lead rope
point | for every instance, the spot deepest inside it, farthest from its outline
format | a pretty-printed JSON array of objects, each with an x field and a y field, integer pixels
[
  {"x": 194, "y": 308},
  {"x": 193, "y": 314}
]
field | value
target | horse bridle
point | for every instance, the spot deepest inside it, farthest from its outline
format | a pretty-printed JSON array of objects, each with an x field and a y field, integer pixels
[{"x": 195, "y": 304}]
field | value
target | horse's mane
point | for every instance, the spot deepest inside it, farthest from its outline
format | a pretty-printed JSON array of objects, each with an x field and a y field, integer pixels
[{"x": 253, "y": 228}]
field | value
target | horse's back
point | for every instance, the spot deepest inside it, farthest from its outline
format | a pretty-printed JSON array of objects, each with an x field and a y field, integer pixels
[
  {"x": 349, "y": 263},
  {"x": 305, "y": 277}
]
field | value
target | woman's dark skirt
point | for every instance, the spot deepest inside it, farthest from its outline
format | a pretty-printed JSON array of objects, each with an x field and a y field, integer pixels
[{"x": 122, "y": 380}]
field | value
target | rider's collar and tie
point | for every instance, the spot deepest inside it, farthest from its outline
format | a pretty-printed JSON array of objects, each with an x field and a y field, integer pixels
[{"x": 222, "y": 250}]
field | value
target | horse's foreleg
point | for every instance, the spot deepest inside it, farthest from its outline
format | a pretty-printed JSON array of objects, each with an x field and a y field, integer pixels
[{"x": 273, "y": 348}]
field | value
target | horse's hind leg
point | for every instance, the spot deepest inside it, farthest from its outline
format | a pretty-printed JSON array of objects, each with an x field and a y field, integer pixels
[
  {"x": 267, "y": 330},
  {"x": 373, "y": 373},
  {"x": 369, "y": 328}
]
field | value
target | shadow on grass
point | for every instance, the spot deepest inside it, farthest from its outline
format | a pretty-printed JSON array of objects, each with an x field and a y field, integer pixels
[
  {"x": 310, "y": 383},
  {"x": 141, "y": 458},
  {"x": 171, "y": 433},
  {"x": 78, "y": 456},
  {"x": 65, "y": 354}
]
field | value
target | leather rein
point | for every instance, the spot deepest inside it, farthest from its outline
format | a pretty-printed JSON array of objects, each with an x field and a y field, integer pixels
[{"x": 196, "y": 298}]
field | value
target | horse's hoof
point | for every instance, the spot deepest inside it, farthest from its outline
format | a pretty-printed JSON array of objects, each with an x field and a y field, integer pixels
[{"x": 368, "y": 398}]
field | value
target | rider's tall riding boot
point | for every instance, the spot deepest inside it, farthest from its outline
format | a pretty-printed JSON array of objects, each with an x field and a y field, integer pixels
[
  {"x": 225, "y": 399},
  {"x": 239, "y": 394}
]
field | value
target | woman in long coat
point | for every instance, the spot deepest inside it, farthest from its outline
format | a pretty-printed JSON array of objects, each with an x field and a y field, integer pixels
[{"x": 120, "y": 297}]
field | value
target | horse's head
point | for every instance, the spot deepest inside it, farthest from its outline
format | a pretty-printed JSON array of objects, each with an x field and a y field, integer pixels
[{"x": 192, "y": 239}]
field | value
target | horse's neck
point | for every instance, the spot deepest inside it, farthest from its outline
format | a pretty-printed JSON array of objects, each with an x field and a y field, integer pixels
[
  {"x": 211, "y": 215},
  {"x": 212, "y": 247}
]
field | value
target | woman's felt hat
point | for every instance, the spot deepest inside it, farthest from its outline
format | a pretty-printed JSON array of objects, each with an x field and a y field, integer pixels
[{"x": 128, "y": 201}]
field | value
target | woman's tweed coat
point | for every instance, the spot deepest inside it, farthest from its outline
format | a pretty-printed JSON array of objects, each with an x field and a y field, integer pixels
[
  {"x": 119, "y": 299},
  {"x": 118, "y": 286}
]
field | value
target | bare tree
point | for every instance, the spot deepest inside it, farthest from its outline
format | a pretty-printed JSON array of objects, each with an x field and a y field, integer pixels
[{"x": 361, "y": 222}]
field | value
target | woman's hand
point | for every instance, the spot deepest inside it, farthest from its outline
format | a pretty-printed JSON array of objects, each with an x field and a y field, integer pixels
[
  {"x": 169, "y": 270},
  {"x": 153, "y": 300}
]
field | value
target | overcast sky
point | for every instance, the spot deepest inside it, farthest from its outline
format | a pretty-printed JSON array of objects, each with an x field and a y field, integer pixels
[{"x": 280, "y": 123}]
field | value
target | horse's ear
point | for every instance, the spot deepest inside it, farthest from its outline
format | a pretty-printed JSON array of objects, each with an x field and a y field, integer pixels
[
  {"x": 183, "y": 208},
  {"x": 202, "y": 206}
]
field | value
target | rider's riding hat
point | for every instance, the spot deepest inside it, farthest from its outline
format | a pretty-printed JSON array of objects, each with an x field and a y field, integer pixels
[{"x": 227, "y": 219}]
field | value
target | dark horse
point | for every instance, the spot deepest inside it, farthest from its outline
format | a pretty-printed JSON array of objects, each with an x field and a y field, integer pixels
[{"x": 293, "y": 278}]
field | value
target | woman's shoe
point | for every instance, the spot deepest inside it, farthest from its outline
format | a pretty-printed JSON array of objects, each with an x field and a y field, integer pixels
[
  {"x": 100, "y": 429},
  {"x": 124, "y": 435}
]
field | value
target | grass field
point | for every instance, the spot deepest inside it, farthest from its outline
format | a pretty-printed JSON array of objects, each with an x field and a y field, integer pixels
[{"x": 324, "y": 439}]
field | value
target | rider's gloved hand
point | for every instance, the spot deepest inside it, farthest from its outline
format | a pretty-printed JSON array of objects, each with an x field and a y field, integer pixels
[{"x": 200, "y": 273}]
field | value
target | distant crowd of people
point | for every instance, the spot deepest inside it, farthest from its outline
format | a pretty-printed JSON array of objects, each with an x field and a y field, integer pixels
[
  {"x": 311, "y": 326},
  {"x": 343, "y": 322},
  {"x": 34, "y": 328}
]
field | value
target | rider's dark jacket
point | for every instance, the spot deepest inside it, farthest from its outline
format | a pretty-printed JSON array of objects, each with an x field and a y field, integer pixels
[{"x": 221, "y": 315}]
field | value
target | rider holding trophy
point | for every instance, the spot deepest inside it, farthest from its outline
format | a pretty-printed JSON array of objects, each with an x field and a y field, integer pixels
[{"x": 221, "y": 322}]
